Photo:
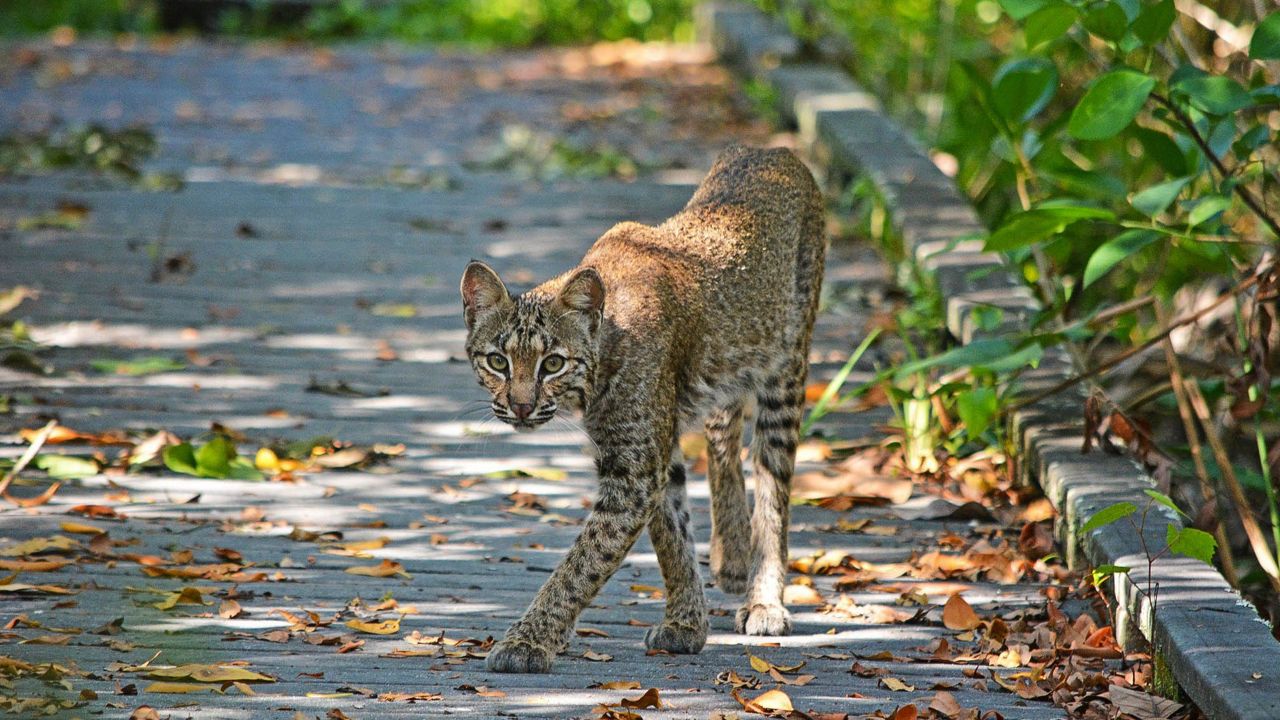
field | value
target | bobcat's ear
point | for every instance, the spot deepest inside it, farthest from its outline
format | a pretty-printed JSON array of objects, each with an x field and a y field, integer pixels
[
  {"x": 482, "y": 291},
  {"x": 584, "y": 292}
]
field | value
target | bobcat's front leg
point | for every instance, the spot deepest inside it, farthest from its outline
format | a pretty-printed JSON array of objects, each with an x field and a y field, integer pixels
[
  {"x": 625, "y": 502},
  {"x": 684, "y": 626}
]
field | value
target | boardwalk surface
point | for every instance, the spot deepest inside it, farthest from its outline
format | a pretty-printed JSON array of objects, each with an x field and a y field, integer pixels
[{"x": 304, "y": 282}]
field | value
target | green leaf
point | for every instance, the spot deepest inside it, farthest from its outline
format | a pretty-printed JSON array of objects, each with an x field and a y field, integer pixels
[
  {"x": 1161, "y": 148},
  {"x": 1023, "y": 88},
  {"x": 1164, "y": 500},
  {"x": 1206, "y": 208},
  {"x": 1192, "y": 543},
  {"x": 1110, "y": 104},
  {"x": 978, "y": 352},
  {"x": 1266, "y": 39},
  {"x": 1019, "y": 9},
  {"x": 1048, "y": 24},
  {"x": 977, "y": 408},
  {"x": 1155, "y": 199},
  {"x": 1039, "y": 224},
  {"x": 1251, "y": 141},
  {"x": 66, "y": 467},
  {"x": 241, "y": 468},
  {"x": 994, "y": 355},
  {"x": 1100, "y": 574},
  {"x": 213, "y": 459},
  {"x": 1214, "y": 94},
  {"x": 1028, "y": 356},
  {"x": 1154, "y": 21},
  {"x": 1108, "y": 515},
  {"x": 1115, "y": 250},
  {"x": 181, "y": 458},
  {"x": 837, "y": 382},
  {"x": 140, "y": 366},
  {"x": 1107, "y": 21}
]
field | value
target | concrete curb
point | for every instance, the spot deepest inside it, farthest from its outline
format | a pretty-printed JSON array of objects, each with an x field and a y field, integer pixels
[{"x": 1217, "y": 648}]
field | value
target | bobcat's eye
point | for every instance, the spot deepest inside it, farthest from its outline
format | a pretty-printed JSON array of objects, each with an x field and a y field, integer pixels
[
  {"x": 497, "y": 362},
  {"x": 552, "y": 364}
]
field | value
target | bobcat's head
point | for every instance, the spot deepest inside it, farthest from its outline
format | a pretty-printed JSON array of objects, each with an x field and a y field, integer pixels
[{"x": 536, "y": 352}]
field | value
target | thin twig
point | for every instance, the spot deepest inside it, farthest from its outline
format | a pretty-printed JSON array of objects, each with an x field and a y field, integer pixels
[
  {"x": 1246, "y": 196},
  {"x": 1103, "y": 367},
  {"x": 1257, "y": 541},
  {"x": 1177, "y": 380},
  {"x": 1123, "y": 308},
  {"x": 37, "y": 442}
]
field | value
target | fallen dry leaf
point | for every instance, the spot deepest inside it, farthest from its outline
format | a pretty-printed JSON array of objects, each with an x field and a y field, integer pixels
[
  {"x": 208, "y": 674},
  {"x": 896, "y": 685},
  {"x": 386, "y": 568},
  {"x": 650, "y": 699},
  {"x": 617, "y": 685},
  {"x": 1141, "y": 705},
  {"x": 229, "y": 609},
  {"x": 384, "y": 627},
  {"x": 33, "y": 565},
  {"x": 957, "y": 614},
  {"x": 186, "y": 596},
  {"x": 55, "y": 543},
  {"x": 178, "y": 687}
]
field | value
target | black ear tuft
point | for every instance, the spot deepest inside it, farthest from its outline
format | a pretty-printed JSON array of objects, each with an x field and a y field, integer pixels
[{"x": 482, "y": 291}]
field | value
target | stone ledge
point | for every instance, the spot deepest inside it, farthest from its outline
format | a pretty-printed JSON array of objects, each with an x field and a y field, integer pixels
[{"x": 1213, "y": 641}]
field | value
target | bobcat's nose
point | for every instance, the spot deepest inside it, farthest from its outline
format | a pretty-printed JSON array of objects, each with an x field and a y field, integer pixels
[{"x": 522, "y": 410}]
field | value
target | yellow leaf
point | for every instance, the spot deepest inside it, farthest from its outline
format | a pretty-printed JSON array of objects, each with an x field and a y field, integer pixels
[
  {"x": 801, "y": 595},
  {"x": 13, "y": 587},
  {"x": 266, "y": 460},
  {"x": 177, "y": 687},
  {"x": 186, "y": 596},
  {"x": 358, "y": 547},
  {"x": 773, "y": 700},
  {"x": 32, "y": 565},
  {"x": 618, "y": 685},
  {"x": 386, "y": 568},
  {"x": 39, "y": 545},
  {"x": 385, "y": 627},
  {"x": 759, "y": 664},
  {"x": 81, "y": 528},
  {"x": 896, "y": 685},
  {"x": 650, "y": 590},
  {"x": 244, "y": 689},
  {"x": 209, "y": 674}
]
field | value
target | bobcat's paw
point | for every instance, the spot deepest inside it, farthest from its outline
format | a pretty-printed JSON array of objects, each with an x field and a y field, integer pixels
[
  {"x": 519, "y": 656},
  {"x": 763, "y": 619},
  {"x": 678, "y": 639}
]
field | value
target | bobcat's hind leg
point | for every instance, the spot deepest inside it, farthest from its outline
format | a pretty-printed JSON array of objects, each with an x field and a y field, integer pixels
[
  {"x": 684, "y": 625},
  {"x": 730, "y": 516},
  {"x": 780, "y": 402}
]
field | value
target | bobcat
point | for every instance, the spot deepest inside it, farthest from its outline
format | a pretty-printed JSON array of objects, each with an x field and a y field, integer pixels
[{"x": 657, "y": 328}]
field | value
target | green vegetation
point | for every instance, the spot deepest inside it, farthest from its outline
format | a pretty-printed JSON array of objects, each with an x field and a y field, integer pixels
[
  {"x": 1122, "y": 153},
  {"x": 474, "y": 22}
]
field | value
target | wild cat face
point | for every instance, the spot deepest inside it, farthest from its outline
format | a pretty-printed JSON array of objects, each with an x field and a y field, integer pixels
[{"x": 534, "y": 353}]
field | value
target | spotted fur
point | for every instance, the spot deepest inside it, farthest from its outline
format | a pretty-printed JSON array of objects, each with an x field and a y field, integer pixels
[{"x": 660, "y": 328}]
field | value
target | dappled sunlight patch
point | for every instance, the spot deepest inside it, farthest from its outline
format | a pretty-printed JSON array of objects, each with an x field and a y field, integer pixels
[{"x": 83, "y": 333}]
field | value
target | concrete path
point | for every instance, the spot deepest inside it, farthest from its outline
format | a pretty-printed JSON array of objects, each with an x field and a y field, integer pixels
[{"x": 293, "y": 260}]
